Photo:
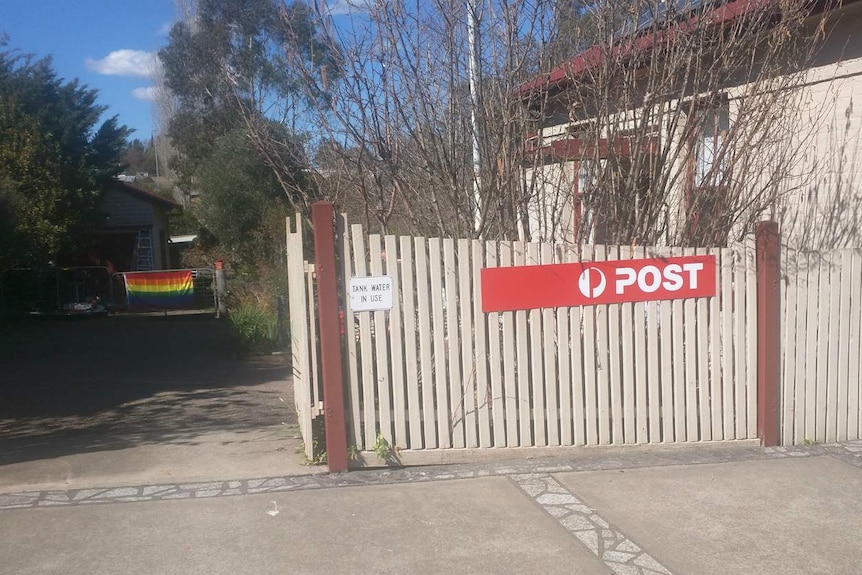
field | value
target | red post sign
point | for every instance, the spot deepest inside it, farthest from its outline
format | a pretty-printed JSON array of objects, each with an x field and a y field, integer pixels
[{"x": 591, "y": 283}]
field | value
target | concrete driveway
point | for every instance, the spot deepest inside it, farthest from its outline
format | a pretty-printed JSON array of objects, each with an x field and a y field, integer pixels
[{"x": 132, "y": 399}]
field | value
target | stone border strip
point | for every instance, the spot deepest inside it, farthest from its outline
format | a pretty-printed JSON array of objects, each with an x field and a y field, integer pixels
[
  {"x": 623, "y": 458},
  {"x": 622, "y": 555}
]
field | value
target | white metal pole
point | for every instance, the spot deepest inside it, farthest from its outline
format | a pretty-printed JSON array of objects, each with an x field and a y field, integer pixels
[{"x": 475, "y": 101}]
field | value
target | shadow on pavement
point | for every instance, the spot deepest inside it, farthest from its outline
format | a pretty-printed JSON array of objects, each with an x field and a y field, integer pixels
[{"x": 109, "y": 383}]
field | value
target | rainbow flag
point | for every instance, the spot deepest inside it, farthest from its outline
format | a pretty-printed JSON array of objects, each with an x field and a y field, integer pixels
[{"x": 161, "y": 290}]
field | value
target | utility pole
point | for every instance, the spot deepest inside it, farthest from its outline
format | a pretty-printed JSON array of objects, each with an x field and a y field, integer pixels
[
  {"x": 475, "y": 105},
  {"x": 155, "y": 152}
]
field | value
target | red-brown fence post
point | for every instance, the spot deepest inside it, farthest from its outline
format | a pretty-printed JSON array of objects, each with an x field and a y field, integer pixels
[
  {"x": 768, "y": 332},
  {"x": 323, "y": 224}
]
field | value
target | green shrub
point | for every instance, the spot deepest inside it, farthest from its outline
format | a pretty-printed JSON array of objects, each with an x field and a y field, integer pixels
[{"x": 255, "y": 328}]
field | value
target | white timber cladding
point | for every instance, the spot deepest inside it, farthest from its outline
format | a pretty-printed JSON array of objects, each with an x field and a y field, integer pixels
[
  {"x": 437, "y": 373},
  {"x": 551, "y": 189},
  {"x": 821, "y": 329},
  {"x": 812, "y": 162}
]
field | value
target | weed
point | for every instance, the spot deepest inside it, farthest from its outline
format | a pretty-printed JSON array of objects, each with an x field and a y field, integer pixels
[
  {"x": 254, "y": 328},
  {"x": 318, "y": 442},
  {"x": 352, "y": 452},
  {"x": 386, "y": 452}
]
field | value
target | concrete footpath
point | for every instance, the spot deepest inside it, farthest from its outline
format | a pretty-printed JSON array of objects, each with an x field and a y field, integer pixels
[{"x": 641, "y": 511}]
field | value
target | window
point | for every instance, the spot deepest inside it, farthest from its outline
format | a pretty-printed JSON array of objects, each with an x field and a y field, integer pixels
[
  {"x": 706, "y": 193},
  {"x": 710, "y": 161}
]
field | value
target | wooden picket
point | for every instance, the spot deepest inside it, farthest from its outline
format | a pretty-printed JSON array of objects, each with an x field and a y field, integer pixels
[
  {"x": 303, "y": 321},
  {"x": 821, "y": 329}
]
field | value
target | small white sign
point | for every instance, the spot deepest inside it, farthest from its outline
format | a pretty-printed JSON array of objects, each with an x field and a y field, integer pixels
[{"x": 371, "y": 293}]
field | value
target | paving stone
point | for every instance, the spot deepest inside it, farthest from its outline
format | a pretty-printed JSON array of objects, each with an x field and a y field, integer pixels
[
  {"x": 556, "y": 499},
  {"x": 533, "y": 489},
  {"x": 628, "y": 546},
  {"x": 63, "y": 497},
  {"x": 180, "y": 495},
  {"x": 618, "y": 556},
  {"x": 554, "y": 468},
  {"x": 576, "y": 523},
  {"x": 589, "y": 538},
  {"x": 207, "y": 493},
  {"x": 119, "y": 492},
  {"x": 158, "y": 489},
  {"x": 197, "y": 486},
  {"x": 557, "y": 511},
  {"x": 87, "y": 493}
]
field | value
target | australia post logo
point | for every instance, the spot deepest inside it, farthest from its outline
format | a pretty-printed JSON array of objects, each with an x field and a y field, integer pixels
[{"x": 592, "y": 283}]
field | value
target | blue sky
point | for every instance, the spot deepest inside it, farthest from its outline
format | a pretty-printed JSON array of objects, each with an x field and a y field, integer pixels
[{"x": 107, "y": 44}]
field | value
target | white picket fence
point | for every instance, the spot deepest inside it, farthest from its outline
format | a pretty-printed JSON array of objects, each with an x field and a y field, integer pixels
[
  {"x": 307, "y": 389},
  {"x": 437, "y": 373},
  {"x": 821, "y": 328}
]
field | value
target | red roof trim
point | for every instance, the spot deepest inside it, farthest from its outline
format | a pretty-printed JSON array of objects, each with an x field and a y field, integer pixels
[{"x": 595, "y": 55}]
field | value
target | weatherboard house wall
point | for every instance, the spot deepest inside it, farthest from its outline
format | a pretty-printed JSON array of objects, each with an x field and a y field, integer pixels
[
  {"x": 129, "y": 209},
  {"x": 820, "y": 202}
]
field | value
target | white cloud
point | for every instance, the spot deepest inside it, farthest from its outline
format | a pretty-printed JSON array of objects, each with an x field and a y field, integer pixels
[
  {"x": 148, "y": 93},
  {"x": 137, "y": 63}
]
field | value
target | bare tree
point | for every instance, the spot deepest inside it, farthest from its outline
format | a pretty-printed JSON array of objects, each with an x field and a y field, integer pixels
[
  {"x": 676, "y": 123},
  {"x": 397, "y": 133},
  {"x": 684, "y": 123}
]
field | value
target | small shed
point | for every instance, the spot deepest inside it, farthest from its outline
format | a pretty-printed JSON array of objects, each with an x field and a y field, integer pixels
[{"x": 134, "y": 234}]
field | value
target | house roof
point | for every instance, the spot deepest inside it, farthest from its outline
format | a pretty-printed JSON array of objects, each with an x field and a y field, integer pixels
[
  {"x": 633, "y": 40},
  {"x": 144, "y": 195}
]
